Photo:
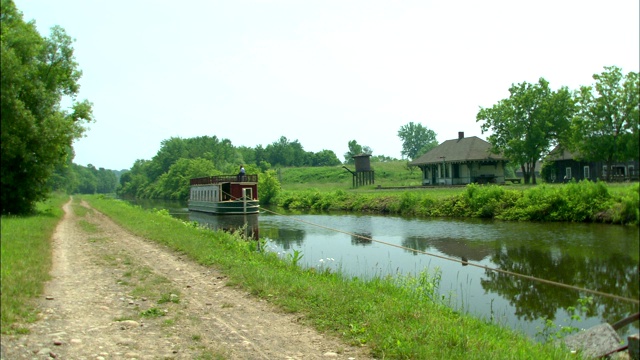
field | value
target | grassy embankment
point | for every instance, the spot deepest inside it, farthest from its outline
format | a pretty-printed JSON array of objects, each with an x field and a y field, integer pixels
[
  {"x": 396, "y": 318},
  {"x": 26, "y": 261},
  {"x": 330, "y": 188}
]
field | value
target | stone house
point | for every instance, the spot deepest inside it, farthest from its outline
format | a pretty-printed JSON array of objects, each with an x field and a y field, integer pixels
[{"x": 460, "y": 161}]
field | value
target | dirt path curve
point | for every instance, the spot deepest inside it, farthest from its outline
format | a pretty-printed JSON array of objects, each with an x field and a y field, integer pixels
[{"x": 114, "y": 295}]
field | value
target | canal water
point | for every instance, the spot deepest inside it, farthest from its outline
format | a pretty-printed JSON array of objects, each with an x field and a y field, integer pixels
[{"x": 599, "y": 257}]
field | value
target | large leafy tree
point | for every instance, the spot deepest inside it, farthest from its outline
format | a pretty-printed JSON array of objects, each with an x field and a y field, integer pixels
[
  {"x": 606, "y": 125},
  {"x": 355, "y": 149},
  {"x": 416, "y": 140},
  {"x": 528, "y": 123},
  {"x": 174, "y": 184},
  {"x": 287, "y": 153},
  {"x": 36, "y": 134}
]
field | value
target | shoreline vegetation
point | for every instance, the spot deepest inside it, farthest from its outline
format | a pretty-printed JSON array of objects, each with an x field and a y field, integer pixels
[
  {"x": 326, "y": 189},
  {"x": 397, "y": 318}
]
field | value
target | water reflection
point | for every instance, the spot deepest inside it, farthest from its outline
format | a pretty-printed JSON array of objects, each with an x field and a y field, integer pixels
[
  {"x": 453, "y": 247},
  {"x": 573, "y": 254},
  {"x": 593, "y": 256},
  {"x": 245, "y": 225},
  {"x": 287, "y": 238},
  {"x": 361, "y": 238},
  {"x": 613, "y": 274}
]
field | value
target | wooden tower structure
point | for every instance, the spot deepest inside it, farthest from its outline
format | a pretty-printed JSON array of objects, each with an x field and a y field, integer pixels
[{"x": 363, "y": 174}]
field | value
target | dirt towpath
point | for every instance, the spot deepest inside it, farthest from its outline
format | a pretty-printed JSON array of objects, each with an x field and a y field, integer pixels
[{"x": 114, "y": 295}]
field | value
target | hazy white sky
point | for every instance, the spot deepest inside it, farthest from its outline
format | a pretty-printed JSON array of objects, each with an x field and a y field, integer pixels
[{"x": 321, "y": 72}]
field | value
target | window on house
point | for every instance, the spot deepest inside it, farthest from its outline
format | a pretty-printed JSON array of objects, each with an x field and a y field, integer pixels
[
  {"x": 632, "y": 170},
  {"x": 586, "y": 173},
  {"x": 567, "y": 173},
  {"x": 604, "y": 170}
]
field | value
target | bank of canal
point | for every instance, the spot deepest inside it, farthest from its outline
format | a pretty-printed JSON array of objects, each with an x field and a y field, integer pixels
[{"x": 599, "y": 257}]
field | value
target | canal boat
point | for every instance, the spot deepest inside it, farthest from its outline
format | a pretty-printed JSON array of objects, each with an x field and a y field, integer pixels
[{"x": 224, "y": 194}]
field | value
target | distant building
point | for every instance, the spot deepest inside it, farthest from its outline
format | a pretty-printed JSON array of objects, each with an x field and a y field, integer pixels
[
  {"x": 566, "y": 166},
  {"x": 461, "y": 161}
]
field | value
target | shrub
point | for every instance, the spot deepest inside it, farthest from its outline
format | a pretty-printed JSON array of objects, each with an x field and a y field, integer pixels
[
  {"x": 582, "y": 200},
  {"x": 483, "y": 200},
  {"x": 269, "y": 187}
]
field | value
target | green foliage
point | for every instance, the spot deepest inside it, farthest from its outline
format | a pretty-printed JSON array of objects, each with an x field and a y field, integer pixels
[
  {"x": 552, "y": 332},
  {"x": 575, "y": 202},
  {"x": 606, "y": 126},
  {"x": 582, "y": 201},
  {"x": 26, "y": 261},
  {"x": 291, "y": 153},
  {"x": 166, "y": 175},
  {"x": 526, "y": 124},
  {"x": 416, "y": 140},
  {"x": 174, "y": 184},
  {"x": 36, "y": 134},
  {"x": 152, "y": 312},
  {"x": 268, "y": 187},
  {"x": 424, "y": 286},
  {"x": 295, "y": 257},
  {"x": 626, "y": 208},
  {"x": 89, "y": 180},
  {"x": 355, "y": 149}
]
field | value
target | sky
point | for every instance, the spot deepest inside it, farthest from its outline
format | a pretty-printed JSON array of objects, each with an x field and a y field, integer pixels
[{"x": 321, "y": 72}]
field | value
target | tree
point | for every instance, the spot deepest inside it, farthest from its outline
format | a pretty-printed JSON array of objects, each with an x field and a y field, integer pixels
[
  {"x": 175, "y": 183},
  {"x": 107, "y": 181},
  {"x": 280, "y": 152},
  {"x": 134, "y": 182},
  {"x": 606, "y": 125},
  {"x": 36, "y": 134},
  {"x": 325, "y": 158},
  {"x": 528, "y": 123},
  {"x": 416, "y": 140},
  {"x": 355, "y": 149},
  {"x": 269, "y": 187},
  {"x": 87, "y": 180}
]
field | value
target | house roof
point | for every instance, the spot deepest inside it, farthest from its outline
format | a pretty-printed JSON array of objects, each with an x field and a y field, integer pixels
[
  {"x": 458, "y": 150},
  {"x": 560, "y": 154}
]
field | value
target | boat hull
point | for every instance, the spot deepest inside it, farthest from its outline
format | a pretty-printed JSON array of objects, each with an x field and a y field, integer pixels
[{"x": 225, "y": 207}]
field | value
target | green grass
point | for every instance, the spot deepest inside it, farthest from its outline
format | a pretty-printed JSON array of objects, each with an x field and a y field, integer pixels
[
  {"x": 26, "y": 261},
  {"x": 330, "y": 188},
  {"x": 395, "y": 318},
  {"x": 394, "y": 173}
]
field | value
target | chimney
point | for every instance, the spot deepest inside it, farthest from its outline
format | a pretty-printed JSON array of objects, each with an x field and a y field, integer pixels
[{"x": 460, "y": 135}]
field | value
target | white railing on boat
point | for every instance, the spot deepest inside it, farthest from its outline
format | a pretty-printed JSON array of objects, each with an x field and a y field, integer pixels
[{"x": 223, "y": 179}]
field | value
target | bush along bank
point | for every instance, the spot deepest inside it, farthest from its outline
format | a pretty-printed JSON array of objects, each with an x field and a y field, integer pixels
[{"x": 583, "y": 201}]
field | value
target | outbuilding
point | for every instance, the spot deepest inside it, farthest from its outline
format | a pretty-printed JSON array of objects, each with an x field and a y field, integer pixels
[{"x": 461, "y": 161}]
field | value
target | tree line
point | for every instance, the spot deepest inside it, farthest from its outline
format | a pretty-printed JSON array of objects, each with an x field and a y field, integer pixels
[
  {"x": 599, "y": 122},
  {"x": 166, "y": 175}
]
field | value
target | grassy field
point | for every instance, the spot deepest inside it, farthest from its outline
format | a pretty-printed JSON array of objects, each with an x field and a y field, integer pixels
[{"x": 26, "y": 261}]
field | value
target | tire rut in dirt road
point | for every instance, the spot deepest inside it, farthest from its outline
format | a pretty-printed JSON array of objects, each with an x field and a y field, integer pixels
[{"x": 114, "y": 295}]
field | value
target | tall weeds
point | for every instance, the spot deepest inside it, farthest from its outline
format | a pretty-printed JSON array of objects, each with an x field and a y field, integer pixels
[{"x": 583, "y": 201}]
